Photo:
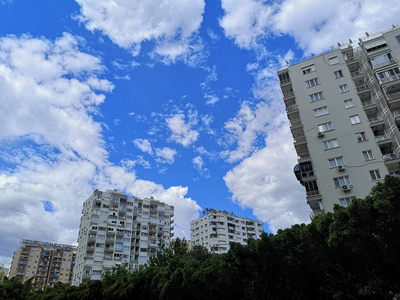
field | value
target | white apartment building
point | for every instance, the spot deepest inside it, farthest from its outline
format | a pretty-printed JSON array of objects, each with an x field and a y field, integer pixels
[
  {"x": 344, "y": 113},
  {"x": 217, "y": 228},
  {"x": 47, "y": 263},
  {"x": 119, "y": 230}
]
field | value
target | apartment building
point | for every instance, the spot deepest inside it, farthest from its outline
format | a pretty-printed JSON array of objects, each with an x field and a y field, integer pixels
[
  {"x": 217, "y": 228},
  {"x": 118, "y": 230},
  {"x": 3, "y": 272},
  {"x": 46, "y": 262},
  {"x": 344, "y": 113}
]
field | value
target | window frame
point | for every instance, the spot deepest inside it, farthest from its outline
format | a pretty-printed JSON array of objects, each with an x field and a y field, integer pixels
[
  {"x": 361, "y": 137},
  {"x": 375, "y": 175},
  {"x": 312, "y": 82},
  {"x": 341, "y": 181},
  {"x": 356, "y": 119},
  {"x": 348, "y": 101},
  {"x": 346, "y": 200},
  {"x": 338, "y": 72},
  {"x": 366, "y": 154},
  {"x": 334, "y": 60},
  {"x": 322, "y": 108},
  {"x": 329, "y": 127},
  {"x": 336, "y": 161},
  {"x": 327, "y": 146},
  {"x": 344, "y": 88},
  {"x": 316, "y": 96}
]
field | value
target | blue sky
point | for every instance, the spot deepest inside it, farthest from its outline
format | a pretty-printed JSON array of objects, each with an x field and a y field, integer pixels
[{"x": 174, "y": 99}]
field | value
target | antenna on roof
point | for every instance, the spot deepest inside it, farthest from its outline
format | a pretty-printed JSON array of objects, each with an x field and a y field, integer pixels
[
  {"x": 350, "y": 41},
  {"x": 312, "y": 54},
  {"x": 339, "y": 44},
  {"x": 287, "y": 63},
  {"x": 367, "y": 34}
]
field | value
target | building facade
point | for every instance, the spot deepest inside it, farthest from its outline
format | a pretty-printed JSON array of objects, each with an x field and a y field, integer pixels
[
  {"x": 3, "y": 272},
  {"x": 217, "y": 228},
  {"x": 47, "y": 263},
  {"x": 117, "y": 230},
  {"x": 344, "y": 113}
]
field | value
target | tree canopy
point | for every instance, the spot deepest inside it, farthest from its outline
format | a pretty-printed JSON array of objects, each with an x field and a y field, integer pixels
[{"x": 351, "y": 253}]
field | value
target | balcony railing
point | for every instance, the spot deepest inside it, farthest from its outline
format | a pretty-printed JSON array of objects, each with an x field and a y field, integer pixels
[
  {"x": 375, "y": 119},
  {"x": 288, "y": 95},
  {"x": 393, "y": 96},
  {"x": 292, "y": 107},
  {"x": 362, "y": 88},
  {"x": 389, "y": 79},
  {"x": 313, "y": 193},
  {"x": 368, "y": 103},
  {"x": 381, "y": 138},
  {"x": 286, "y": 80}
]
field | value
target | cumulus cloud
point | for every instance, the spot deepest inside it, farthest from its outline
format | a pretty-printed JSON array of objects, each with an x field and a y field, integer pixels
[
  {"x": 144, "y": 145},
  {"x": 165, "y": 155},
  {"x": 53, "y": 150},
  {"x": 198, "y": 164},
  {"x": 171, "y": 25},
  {"x": 265, "y": 183},
  {"x": 245, "y": 21},
  {"x": 182, "y": 131},
  {"x": 315, "y": 25}
]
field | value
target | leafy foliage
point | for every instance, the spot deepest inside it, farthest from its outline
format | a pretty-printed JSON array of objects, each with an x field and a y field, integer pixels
[{"x": 352, "y": 253}]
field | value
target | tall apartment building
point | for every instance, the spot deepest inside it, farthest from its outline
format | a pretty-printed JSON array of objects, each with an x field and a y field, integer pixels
[
  {"x": 344, "y": 113},
  {"x": 118, "y": 230},
  {"x": 217, "y": 228},
  {"x": 47, "y": 263}
]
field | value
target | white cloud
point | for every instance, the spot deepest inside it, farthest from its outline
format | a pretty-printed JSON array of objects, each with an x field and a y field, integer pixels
[
  {"x": 170, "y": 24},
  {"x": 245, "y": 21},
  {"x": 165, "y": 155},
  {"x": 53, "y": 148},
  {"x": 315, "y": 25},
  {"x": 182, "y": 131},
  {"x": 265, "y": 183},
  {"x": 144, "y": 145},
  {"x": 198, "y": 164}
]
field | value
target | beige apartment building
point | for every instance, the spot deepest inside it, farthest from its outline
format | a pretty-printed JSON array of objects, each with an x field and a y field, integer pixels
[
  {"x": 47, "y": 263},
  {"x": 344, "y": 113},
  {"x": 217, "y": 228},
  {"x": 118, "y": 230}
]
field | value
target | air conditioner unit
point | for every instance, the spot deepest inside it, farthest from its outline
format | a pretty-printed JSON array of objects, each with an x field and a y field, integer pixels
[
  {"x": 341, "y": 168},
  {"x": 347, "y": 188},
  {"x": 320, "y": 134}
]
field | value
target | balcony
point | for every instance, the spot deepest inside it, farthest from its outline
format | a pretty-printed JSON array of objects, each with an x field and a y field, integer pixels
[
  {"x": 392, "y": 162},
  {"x": 363, "y": 89},
  {"x": 389, "y": 79},
  {"x": 384, "y": 64},
  {"x": 292, "y": 108},
  {"x": 382, "y": 139}
]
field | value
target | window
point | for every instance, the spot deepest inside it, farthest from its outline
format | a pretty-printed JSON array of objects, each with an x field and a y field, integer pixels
[
  {"x": 388, "y": 73},
  {"x": 333, "y": 60},
  {"x": 381, "y": 60},
  {"x": 368, "y": 155},
  {"x": 375, "y": 175},
  {"x": 335, "y": 162},
  {"x": 329, "y": 144},
  {"x": 312, "y": 82},
  {"x": 398, "y": 38},
  {"x": 316, "y": 97},
  {"x": 361, "y": 137},
  {"x": 338, "y": 74},
  {"x": 343, "y": 88},
  {"x": 308, "y": 69},
  {"x": 284, "y": 77},
  {"x": 348, "y": 103},
  {"x": 341, "y": 181},
  {"x": 355, "y": 119},
  {"x": 346, "y": 201},
  {"x": 321, "y": 111},
  {"x": 325, "y": 127}
]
